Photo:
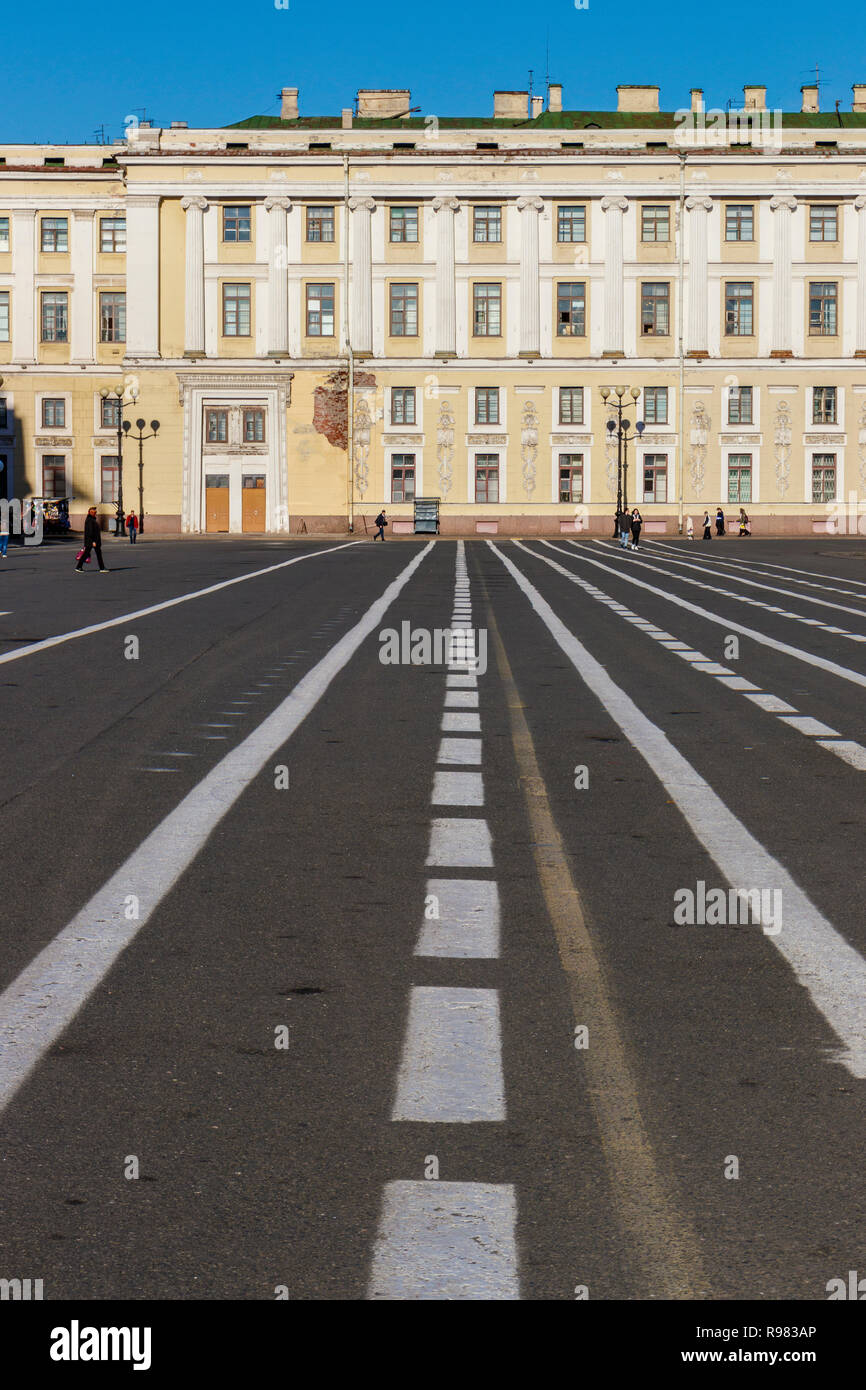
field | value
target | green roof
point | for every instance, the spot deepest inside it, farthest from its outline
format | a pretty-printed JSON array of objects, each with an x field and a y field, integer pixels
[{"x": 550, "y": 120}]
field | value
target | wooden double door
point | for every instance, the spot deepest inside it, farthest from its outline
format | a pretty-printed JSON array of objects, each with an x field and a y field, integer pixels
[{"x": 218, "y": 501}]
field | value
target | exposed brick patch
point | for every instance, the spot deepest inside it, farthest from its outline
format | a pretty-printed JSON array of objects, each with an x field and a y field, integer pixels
[{"x": 331, "y": 410}]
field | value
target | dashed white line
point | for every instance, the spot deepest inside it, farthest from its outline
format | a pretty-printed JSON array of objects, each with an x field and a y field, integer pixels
[
  {"x": 461, "y": 919},
  {"x": 451, "y": 1068}
]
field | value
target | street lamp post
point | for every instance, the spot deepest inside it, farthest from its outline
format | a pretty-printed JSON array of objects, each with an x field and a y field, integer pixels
[
  {"x": 123, "y": 426},
  {"x": 622, "y": 442},
  {"x": 139, "y": 425}
]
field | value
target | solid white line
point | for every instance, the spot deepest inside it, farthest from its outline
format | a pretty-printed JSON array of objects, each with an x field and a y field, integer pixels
[
  {"x": 451, "y": 1068},
  {"x": 466, "y": 751},
  {"x": 460, "y": 722},
  {"x": 824, "y": 963},
  {"x": 38, "y": 1005},
  {"x": 460, "y": 844},
  {"x": 453, "y": 1241},
  {"x": 458, "y": 789},
  {"x": 853, "y": 753},
  {"x": 466, "y": 924},
  {"x": 787, "y": 569},
  {"x": 45, "y": 643}
]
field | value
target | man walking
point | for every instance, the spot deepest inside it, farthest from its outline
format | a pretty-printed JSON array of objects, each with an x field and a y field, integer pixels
[
  {"x": 132, "y": 527},
  {"x": 92, "y": 541},
  {"x": 624, "y": 529},
  {"x": 381, "y": 522}
]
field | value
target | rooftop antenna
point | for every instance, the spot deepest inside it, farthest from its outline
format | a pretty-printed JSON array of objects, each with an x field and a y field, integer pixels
[{"x": 547, "y": 71}]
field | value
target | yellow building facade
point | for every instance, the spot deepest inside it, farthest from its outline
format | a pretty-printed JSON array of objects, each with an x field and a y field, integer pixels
[{"x": 329, "y": 315}]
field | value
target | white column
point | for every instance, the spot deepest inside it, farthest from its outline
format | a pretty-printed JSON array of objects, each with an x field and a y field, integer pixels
[
  {"x": 193, "y": 339},
  {"x": 782, "y": 206},
  {"x": 82, "y": 292},
  {"x": 24, "y": 291},
  {"x": 446, "y": 294},
  {"x": 614, "y": 337},
  {"x": 530, "y": 326},
  {"x": 860, "y": 207},
  {"x": 698, "y": 210},
  {"x": 142, "y": 275},
  {"x": 362, "y": 274},
  {"x": 278, "y": 276}
]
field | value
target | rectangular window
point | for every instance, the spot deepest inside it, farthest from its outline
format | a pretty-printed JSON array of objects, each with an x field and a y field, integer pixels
[
  {"x": 824, "y": 405},
  {"x": 404, "y": 224},
  {"x": 571, "y": 405},
  {"x": 487, "y": 311},
  {"x": 110, "y": 412},
  {"x": 216, "y": 426},
  {"x": 655, "y": 223},
  {"x": 403, "y": 405},
  {"x": 823, "y": 223},
  {"x": 402, "y": 477},
  {"x": 404, "y": 311},
  {"x": 236, "y": 311},
  {"x": 4, "y": 316},
  {"x": 823, "y": 477},
  {"x": 237, "y": 222},
  {"x": 55, "y": 316},
  {"x": 655, "y": 310},
  {"x": 320, "y": 224},
  {"x": 254, "y": 426},
  {"x": 739, "y": 305},
  {"x": 55, "y": 234},
  {"x": 487, "y": 478},
  {"x": 112, "y": 317},
  {"x": 655, "y": 478},
  {"x": 53, "y": 413},
  {"x": 740, "y": 405},
  {"x": 822, "y": 308},
  {"x": 110, "y": 479},
  {"x": 740, "y": 222},
  {"x": 571, "y": 477},
  {"x": 739, "y": 477},
  {"x": 320, "y": 311},
  {"x": 487, "y": 224},
  {"x": 571, "y": 224},
  {"x": 4, "y": 233},
  {"x": 655, "y": 405},
  {"x": 54, "y": 475},
  {"x": 487, "y": 405},
  {"x": 571, "y": 309},
  {"x": 112, "y": 233}
]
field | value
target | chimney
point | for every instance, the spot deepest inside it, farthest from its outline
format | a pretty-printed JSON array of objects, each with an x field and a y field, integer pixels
[
  {"x": 347, "y": 118},
  {"x": 754, "y": 98},
  {"x": 697, "y": 96},
  {"x": 637, "y": 98},
  {"x": 510, "y": 106},
  {"x": 289, "y": 104},
  {"x": 537, "y": 106},
  {"x": 376, "y": 102},
  {"x": 809, "y": 98},
  {"x": 859, "y": 90},
  {"x": 555, "y": 98}
]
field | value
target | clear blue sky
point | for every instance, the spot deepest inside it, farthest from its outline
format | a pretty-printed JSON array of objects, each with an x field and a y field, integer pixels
[{"x": 70, "y": 68}]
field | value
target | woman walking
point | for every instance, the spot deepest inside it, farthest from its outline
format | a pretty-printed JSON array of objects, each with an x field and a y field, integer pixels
[
  {"x": 744, "y": 523},
  {"x": 690, "y": 528},
  {"x": 132, "y": 527},
  {"x": 92, "y": 541},
  {"x": 636, "y": 524},
  {"x": 708, "y": 534},
  {"x": 720, "y": 522}
]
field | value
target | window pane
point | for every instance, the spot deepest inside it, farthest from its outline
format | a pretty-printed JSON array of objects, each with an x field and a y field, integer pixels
[
  {"x": 655, "y": 224},
  {"x": 655, "y": 309},
  {"x": 4, "y": 316},
  {"x": 112, "y": 234},
  {"x": 655, "y": 405},
  {"x": 571, "y": 309},
  {"x": 571, "y": 405},
  {"x": 740, "y": 405},
  {"x": 571, "y": 224},
  {"x": 320, "y": 224},
  {"x": 487, "y": 224},
  {"x": 54, "y": 317},
  {"x": 487, "y": 310},
  {"x": 55, "y": 234},
  {"x": 404, "y": 311},
  {"x": 4, "y": 233},
  {"x": 237, "y": 223},
  {"x": 320, "y": 311},
  {"x": 404, "y": 224},
  {"x": 236, "y": 311},
  {"x": 739, "y": 222},
  {"x": 112, "y": 318},
  {"x": 738, "y": 308}
]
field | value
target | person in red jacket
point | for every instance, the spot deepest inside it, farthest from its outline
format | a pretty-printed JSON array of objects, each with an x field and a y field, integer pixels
[{"x": 132, "y": 527}]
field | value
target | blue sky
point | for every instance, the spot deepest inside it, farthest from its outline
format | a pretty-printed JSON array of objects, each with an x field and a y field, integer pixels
[{"x": 71, "y": 68}]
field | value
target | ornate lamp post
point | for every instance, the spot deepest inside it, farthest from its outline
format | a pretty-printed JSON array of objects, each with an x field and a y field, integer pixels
[
  {"x": 139, "y": 425},
  {"x": 122, "y": 426},
  {"x": 622, "y": 441}
]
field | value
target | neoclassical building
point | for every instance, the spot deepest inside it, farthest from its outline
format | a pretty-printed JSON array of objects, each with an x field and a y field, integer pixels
[{"x": 329, "y": 314}]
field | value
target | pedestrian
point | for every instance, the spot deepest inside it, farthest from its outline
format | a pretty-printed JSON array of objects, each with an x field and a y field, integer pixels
[
  {"x": 4, "y": 532},
  {"x": 92, "y": 541},
  {"x": 744, "y": 523},
  {"x": 690, "y": 528},
  {"x": 624, "y": 528},
  {"x": 708, "y": 532},
  {"x": 381, "y": 522},
  {"x": 636, "y": 524},
  {"x": 720, "y": 522},
  {"x": 132, "y": 527}
]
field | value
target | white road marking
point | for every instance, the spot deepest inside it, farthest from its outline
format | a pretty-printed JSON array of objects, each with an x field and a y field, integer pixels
[
  {"x": 712, "y": 668},
  {"x": 18, "y": 652},
  {"x": 458, "y": 789},
  {"x": 467, "y": 925},
  {"x": 771, "y": 703},
  {"x": 461, "y": 699},
  {"x": 460, "y": 844},
  {"x": 824, "y": 963},
  {"x": 455, "y": 682},
  {"x": 752, "y": 568},
  {"x": 42, "y": 1001},
  {"x": 850, "y": 752},
  {"x": 453, "y": 1241},
  {"x": 451, "y": 1068},
  {"x": 460, "y": 722},
  {"x": 812, "y": 727},
  {"x": 738, "y": 683},
  {"x": 459, "y": 750}
]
